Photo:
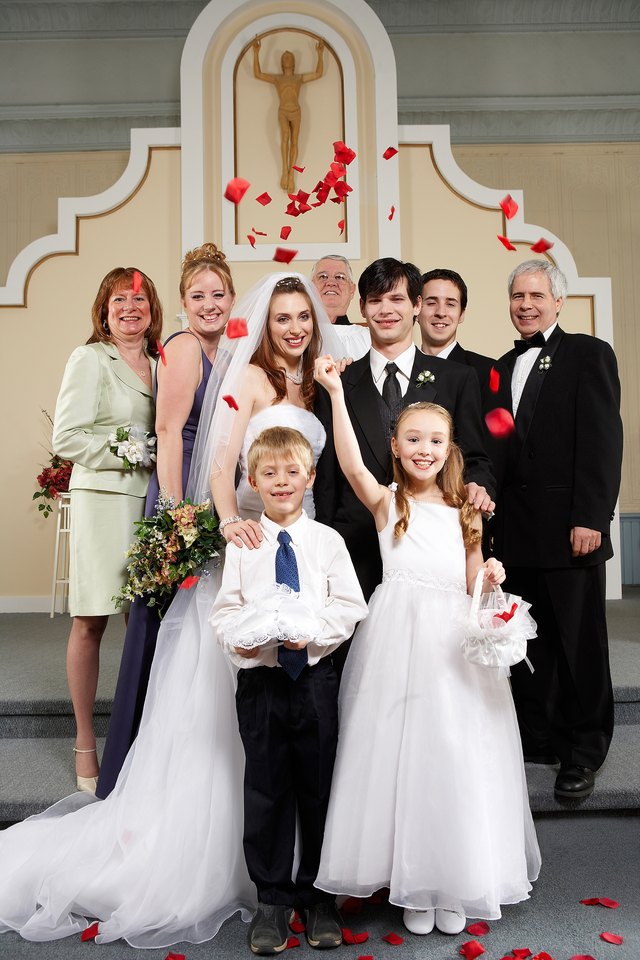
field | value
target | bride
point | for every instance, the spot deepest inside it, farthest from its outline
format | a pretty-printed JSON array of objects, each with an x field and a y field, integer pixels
[{"x": 160, "y": 860}]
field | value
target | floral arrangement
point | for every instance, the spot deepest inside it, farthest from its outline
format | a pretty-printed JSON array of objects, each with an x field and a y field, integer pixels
[
  {"x": 134, "y": 446},
  {"x": 170, "y": 546},
  {"x": 425, "y": 376},
  {"x": 53, "y": 480}
]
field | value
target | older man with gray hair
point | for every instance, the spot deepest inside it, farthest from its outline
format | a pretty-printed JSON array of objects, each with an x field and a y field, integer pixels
[{"x": 333, "y": 279}]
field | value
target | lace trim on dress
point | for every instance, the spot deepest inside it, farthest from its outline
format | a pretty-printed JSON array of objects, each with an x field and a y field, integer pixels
[{"x": 431, "y": 583}]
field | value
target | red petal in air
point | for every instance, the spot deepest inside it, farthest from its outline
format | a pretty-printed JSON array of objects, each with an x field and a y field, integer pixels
[
  {"x": 303, "y": 207},
  {"x": 338, "y": 170},
  {"x": 299, "y": 169},
  {"x": 282, "y": 255},
  {"x": 506, "y": 242},
  {"x": 499, "y": 422},
  {"x": 509, "y": 206},
  {"x": 264, "y": 199},
  {"x": 478, "y": 929},
  {"x": 343, "y": 153},
  {"x": 292, "y": 210},
  {"x": 258, "y": 233},
  {"x": 284, "y": 233},
  {"x": 161, "y": 353},
  {"x": 394, "y": 939},
  {"x": 541, "y": 246},
  {"x": 236, "y": 189},
  {"x": 601, "y": 902},
  {"x": 341, "y": 226},
  {"x": 506, "y": 615},
  {"x": 391, "y": 213},
  {"x": 494, "y": 380},
  {"x": 231, "y": 401},
  {"x": 389, "y": 152},
  {"x": 137, "y": 281},
  {"x": 471, "y": 949},
  {"x": 251, "y": 239},
  {"x": 188, "y": 582},
  {"x": 91, "y": 932},
  {"x": 342, "y": 188},
  {"x": 237, "y": 327},
  {"x": 352, "y": 905},
  {"x": 612, "y": 937}
]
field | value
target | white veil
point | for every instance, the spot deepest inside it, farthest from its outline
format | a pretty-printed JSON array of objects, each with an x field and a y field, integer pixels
[{"x": 160, "y": 860}]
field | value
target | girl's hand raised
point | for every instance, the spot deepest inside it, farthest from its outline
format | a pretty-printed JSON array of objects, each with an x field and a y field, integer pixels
[
  {"x": 494, "y": 572},
  {"x": 327, "y": 373}
]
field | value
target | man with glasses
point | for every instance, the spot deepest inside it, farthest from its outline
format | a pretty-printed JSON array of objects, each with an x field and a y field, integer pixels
[{"x": 332, "y": 278}]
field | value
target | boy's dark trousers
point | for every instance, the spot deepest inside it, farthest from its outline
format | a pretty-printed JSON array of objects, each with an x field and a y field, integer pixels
[{"x": 289, "y": 729}]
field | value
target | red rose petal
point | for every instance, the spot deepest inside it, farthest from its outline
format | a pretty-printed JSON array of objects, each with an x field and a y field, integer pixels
[
  {"x": 368, "y": 956},
  {"x": 506, "y": 243},
  {"x": 341, "y": 226},
  {"x": 251, "y": 239},
  {"x": 258, "y": 233},
  {"x": 137, "y": 281},
  {"x": 582, "y": 956},
  {"x": 282, "y": 255},
  {"x": 236, "y": 327},
  {"x": 343, "y": 153},
  {"x": 542, "y": 956},
  {"x": 299, "y": 169},
  {"x": 231, "y": 401},
  {"x": 161, "y": 353},
  {"x": 601, "y": 902},
  {"x": 188, "y": 582},
  {"x": 348, "y": 936},
  {"x": 236, "y": 189},
  {"x": 391, "y": 213},
  {"x": 499, "y": 422},
  {"x": 352, "y": 905},
  {"x": 478, "y": 929},
  {"x": 494, "y": 380},
  {"x": 338, "y": 170},
  {"x": 611, "y": 937},
  {"x": 521, "y": 952},
  {"x": 292, "y": 942},
  {"x": 297, "y": 926},
  {"x": 541, "y": 246},
  {"x": 284, "y": 233},
  {"x": 304, "y": 207},
  {"x": 175, "y": 956},
  {"x": 471, "y": 949},
  {"x": 509, "y": 206},
  {"x": 342, "y": 188},
  {"x": 91, "y": 932},
  {"x": 394, "y": 939},
  {"x": 389, "y": 152},
  {"x": 264, "y": 199},
  {"x": 506, "y": 615}
]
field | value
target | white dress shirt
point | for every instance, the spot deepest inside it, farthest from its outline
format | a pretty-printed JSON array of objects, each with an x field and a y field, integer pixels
[
  {"x": 328, "y": 586},
  {"x": 446, "y": 353},
  {"x": 523, "y": 367},
  {"x": 404, "y": 364}
]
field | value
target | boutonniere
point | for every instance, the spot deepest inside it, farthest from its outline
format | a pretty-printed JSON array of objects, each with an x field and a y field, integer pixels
[
  {"x": 425, "y": 377},
  {"x": 544, "y": 365}
]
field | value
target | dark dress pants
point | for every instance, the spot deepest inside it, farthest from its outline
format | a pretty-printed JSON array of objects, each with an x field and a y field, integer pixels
[
  {"x": 566, "y": 706},
  {"x": 289, "y": 730}
]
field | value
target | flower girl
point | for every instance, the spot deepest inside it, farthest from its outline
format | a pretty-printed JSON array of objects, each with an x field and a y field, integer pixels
[{"x": 429, "y": 796}]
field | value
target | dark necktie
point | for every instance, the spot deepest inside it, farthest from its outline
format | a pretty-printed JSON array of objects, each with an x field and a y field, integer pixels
[
  {"x": 292, "y": 661},
  {"x": 537, "y": 340},
  {"x": 391, "y": 392}
]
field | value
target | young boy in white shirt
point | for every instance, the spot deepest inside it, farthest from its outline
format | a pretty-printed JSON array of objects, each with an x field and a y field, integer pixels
[{"x": 287, "y": 695}]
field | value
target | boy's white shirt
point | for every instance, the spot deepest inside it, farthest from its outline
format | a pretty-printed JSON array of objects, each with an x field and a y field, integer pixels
[{"x": 328, "y": 586}]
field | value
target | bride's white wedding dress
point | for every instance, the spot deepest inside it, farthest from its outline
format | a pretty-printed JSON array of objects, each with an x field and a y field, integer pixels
[{"x": 160, "y": 860}]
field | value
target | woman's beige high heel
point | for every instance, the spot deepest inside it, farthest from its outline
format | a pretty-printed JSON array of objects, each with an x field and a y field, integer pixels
[{"x": 86, "y": 784}]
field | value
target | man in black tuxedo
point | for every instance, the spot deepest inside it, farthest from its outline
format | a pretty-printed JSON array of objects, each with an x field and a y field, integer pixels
[
  {"x": 557, "y": 500},
  {"x": 392, "y": 375}
]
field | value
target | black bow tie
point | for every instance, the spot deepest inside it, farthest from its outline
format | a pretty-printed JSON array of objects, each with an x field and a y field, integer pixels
[{"x": 537, "y": 340}]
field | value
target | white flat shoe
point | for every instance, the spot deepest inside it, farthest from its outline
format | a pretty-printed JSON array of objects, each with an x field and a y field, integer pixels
[
  {"x": 450, "y": 921},
  {"x": 419, "y": 921}
]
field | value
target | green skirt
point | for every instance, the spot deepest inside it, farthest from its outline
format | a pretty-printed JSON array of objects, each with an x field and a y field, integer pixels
[{"x": 102, "y": 530}]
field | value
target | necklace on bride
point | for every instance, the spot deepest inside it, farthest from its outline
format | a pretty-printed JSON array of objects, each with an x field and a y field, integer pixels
[{"x": 297, "y": 376}]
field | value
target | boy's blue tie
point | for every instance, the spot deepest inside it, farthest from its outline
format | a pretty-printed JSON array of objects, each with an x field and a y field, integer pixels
[{"x": 292, "y": 661}]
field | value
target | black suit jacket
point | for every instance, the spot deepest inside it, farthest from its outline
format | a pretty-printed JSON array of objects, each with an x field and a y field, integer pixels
[
  {"x": 482, "y": 366},
  {"x": 455, "y": 388},
  {"x": 563, "y": 462}
]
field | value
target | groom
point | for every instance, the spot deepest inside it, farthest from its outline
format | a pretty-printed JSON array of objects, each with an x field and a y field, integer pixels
[{"x": 393, "y": 374}]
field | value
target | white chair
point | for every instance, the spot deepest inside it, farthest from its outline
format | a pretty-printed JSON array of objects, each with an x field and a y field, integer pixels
[{"x": 61, "y": 556}]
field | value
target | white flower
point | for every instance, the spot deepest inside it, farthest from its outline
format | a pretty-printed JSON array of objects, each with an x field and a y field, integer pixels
[
  {"x": 425, "y": 376},
  {"x": 545, "y": 364}
]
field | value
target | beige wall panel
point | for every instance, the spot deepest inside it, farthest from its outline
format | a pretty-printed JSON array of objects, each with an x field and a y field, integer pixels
[
  {"x": 39, "y": 338},
  {"x": 30, "y": 185},
  {"x": 587, "y": 194}
]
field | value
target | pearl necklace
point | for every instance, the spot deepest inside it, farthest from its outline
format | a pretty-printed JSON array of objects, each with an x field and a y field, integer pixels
[{"x": 296, "y": 377}]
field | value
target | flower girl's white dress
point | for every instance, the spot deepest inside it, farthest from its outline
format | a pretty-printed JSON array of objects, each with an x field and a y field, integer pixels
[{"x": 429, "y": 796}]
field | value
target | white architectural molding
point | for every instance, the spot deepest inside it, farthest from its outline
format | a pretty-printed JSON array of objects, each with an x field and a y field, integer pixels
[
  {"x": 71, "y": 208},
  {"x": 362, "y": 21},
  {"x": 25, "y": 604}
]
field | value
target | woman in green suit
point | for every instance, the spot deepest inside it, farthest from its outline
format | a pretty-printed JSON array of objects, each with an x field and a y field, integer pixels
[{"x": 107, "y": 384}]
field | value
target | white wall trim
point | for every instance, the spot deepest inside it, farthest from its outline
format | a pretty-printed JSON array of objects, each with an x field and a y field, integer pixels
[
  {"x": 25, "y": 604},
  {"x": 362, "y": 20},
  {"x": 71, "y": 208}
]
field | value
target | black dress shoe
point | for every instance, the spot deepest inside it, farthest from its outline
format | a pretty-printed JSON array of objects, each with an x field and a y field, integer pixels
[
  {"x": 548, "y": 758},
  {"x": 323, "y": 928},
  {"x": 574, "y": 782},
  {"x": 269, "y": 930}
]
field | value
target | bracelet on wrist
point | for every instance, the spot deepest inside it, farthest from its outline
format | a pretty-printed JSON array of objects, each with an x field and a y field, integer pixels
[{"x": 227, "y": 520}]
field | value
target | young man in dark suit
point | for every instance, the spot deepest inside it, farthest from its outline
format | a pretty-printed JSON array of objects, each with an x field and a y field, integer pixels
[
  {"x": 557, "y": 500},
  {"x": 392, "y": 375}
]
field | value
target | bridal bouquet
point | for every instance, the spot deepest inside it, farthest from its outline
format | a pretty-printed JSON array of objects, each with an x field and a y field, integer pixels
[
  {"x": 170, "y": 546},
  {"x": 134, "y": 445}
]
